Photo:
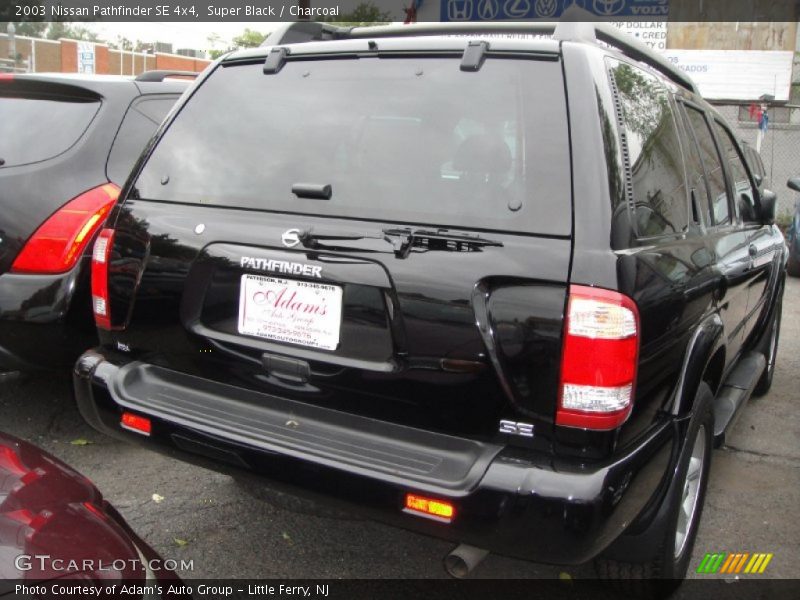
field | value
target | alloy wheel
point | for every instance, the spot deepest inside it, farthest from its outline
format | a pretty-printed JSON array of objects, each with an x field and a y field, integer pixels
[{"x": 691, "y": 491}]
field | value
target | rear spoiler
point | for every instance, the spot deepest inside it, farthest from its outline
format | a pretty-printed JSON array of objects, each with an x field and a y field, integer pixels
[{"x": 162, "y": 75}]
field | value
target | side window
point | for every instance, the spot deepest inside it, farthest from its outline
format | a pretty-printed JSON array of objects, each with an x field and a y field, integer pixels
[
  {"x": 713, "y": 166},
  {"x": 656, "y": 161},
  {"x": 140, "y": 123},
  {"x": 744, "y": 195},
  {"x": 698, "y": 189},
  {"x": 762, "y": 171},
  {"x": 753, "y": 159}
]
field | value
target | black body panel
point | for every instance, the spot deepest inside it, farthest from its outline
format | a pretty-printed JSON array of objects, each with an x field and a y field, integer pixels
[{"x": 403, "y": 319}]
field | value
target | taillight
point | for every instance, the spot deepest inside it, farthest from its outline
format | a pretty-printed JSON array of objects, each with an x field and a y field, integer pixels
[
  {"x": 101, "y": 254},
  {"x": 95, "y": 510},
  {"x": 31, "y": 522},
  {"x": 11, "y": 462},
  {"x": 60, "y": 241},
  {"x": 6, "y": 77},
  {"x": 599, "y": 359}
]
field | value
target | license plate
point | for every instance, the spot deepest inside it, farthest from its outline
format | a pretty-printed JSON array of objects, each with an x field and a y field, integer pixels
[{"x": 287, "y": 310}]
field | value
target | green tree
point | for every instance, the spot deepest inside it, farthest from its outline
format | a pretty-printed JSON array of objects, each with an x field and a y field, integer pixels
[
  {"x": 214, "y": 54},
  {"x": 123, "y": 43},
  {"x": 29, "y": 28},
  {"x": 61, "y": 29},
  {"x": 214, "y": 40},
  {"x": 52, "y": 30},
  {"x": 249, "y": 39}
]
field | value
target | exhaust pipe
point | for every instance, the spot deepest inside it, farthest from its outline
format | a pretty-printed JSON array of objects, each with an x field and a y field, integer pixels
[{"x": 462, "y": 560}]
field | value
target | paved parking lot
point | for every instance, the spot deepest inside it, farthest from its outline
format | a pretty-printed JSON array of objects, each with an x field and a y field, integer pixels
[{"x": 753, "y": 503}]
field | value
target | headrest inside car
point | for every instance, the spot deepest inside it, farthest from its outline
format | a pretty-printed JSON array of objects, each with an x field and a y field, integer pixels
[{"x": 484, "y": 153}]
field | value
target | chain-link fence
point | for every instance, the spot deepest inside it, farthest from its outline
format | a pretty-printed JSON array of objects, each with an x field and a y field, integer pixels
[{"x": 780, "y": 147}]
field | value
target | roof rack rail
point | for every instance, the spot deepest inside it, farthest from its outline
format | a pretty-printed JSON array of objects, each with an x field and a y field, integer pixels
[
  {"x": 638, "y": 51},
  {"x": 576, "y": 25},
  {"x": 162, "y": 75}
]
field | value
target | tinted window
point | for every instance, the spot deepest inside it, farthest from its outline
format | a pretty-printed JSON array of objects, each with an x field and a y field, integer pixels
[
  {"x": 713, "y": 166},
  {"x": 33, "y": 129},
  {"x": 753, "y": 159},
  {"x": 698, "y": 190},
  {"x": 401, "y": 140},
  {"x": 743, "y": 191},
  {"x": 656, "y": 162},
  {"x": 141, "y": 121},
  {"x": 759, "y": 164}
]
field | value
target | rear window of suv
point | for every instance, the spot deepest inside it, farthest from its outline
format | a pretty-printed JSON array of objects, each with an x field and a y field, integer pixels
[
  {"x": 36, "y": 128},
  {"x": 413, "y": 140}
]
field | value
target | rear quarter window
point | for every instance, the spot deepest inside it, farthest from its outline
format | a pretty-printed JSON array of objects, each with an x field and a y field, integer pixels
[
  {"x": 38, "y": 127},
  {"x": 661, "y": 204},
  {"x": 412, "y": 140},
  {"x": 140, "y": 123}
]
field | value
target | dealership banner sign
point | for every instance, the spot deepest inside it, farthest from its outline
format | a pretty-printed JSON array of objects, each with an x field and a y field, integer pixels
[
  {"x": 86, "y": 57},
  {"x": 743, "y": 75},
  {"x": 492, "y": 10}
]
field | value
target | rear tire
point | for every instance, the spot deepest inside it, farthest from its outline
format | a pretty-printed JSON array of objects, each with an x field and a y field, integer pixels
[
  {"x": 770, "y": 351},
  {"x": 793, "y": 266},
  {"x": 660, "y": 576}
]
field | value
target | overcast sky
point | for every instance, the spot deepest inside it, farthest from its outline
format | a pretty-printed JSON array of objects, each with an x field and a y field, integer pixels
[{"x": 180, "y": 35}]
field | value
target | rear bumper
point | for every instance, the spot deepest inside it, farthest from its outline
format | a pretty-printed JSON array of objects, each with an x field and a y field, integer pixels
[
  {"x": 505, "y": 501},
  {"x": 45, "y": 320}
]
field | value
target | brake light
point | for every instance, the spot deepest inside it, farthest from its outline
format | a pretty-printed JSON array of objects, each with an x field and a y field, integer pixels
[
  {"x": 31, "y": 522},
  {"x": 31, "y": 476},
  {"x": 135, "y": 423},
  {"x": 60, "y": 241},
  {"x": 97, "y": 512},
  {"x": 11, "y": 462},
  {"x": 441, "y": 510},
  {"x": 6, "y": 77},
  {"x": 599, "y": 359},
  {"x": 101, "y": 253}
]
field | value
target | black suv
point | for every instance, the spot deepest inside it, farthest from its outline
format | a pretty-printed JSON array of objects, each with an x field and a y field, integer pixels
[
  {"x": 506, "y": 292},
  {"x": 67, "y": 144}
]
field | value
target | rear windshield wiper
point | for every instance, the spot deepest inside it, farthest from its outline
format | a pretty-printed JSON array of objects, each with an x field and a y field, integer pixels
[
  {"x": 404, "y": 239},
  {"x": 311, "y": 238}
]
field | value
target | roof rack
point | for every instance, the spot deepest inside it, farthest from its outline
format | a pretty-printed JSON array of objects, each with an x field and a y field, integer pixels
[
  {"x": 162, "y": 75},
  {"x": 638, "y": 51},
  {"x": 576, "y": 25}
]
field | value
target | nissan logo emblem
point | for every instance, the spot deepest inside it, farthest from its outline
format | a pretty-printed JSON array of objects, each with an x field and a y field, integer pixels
[{"x": 291, "y": 237}]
